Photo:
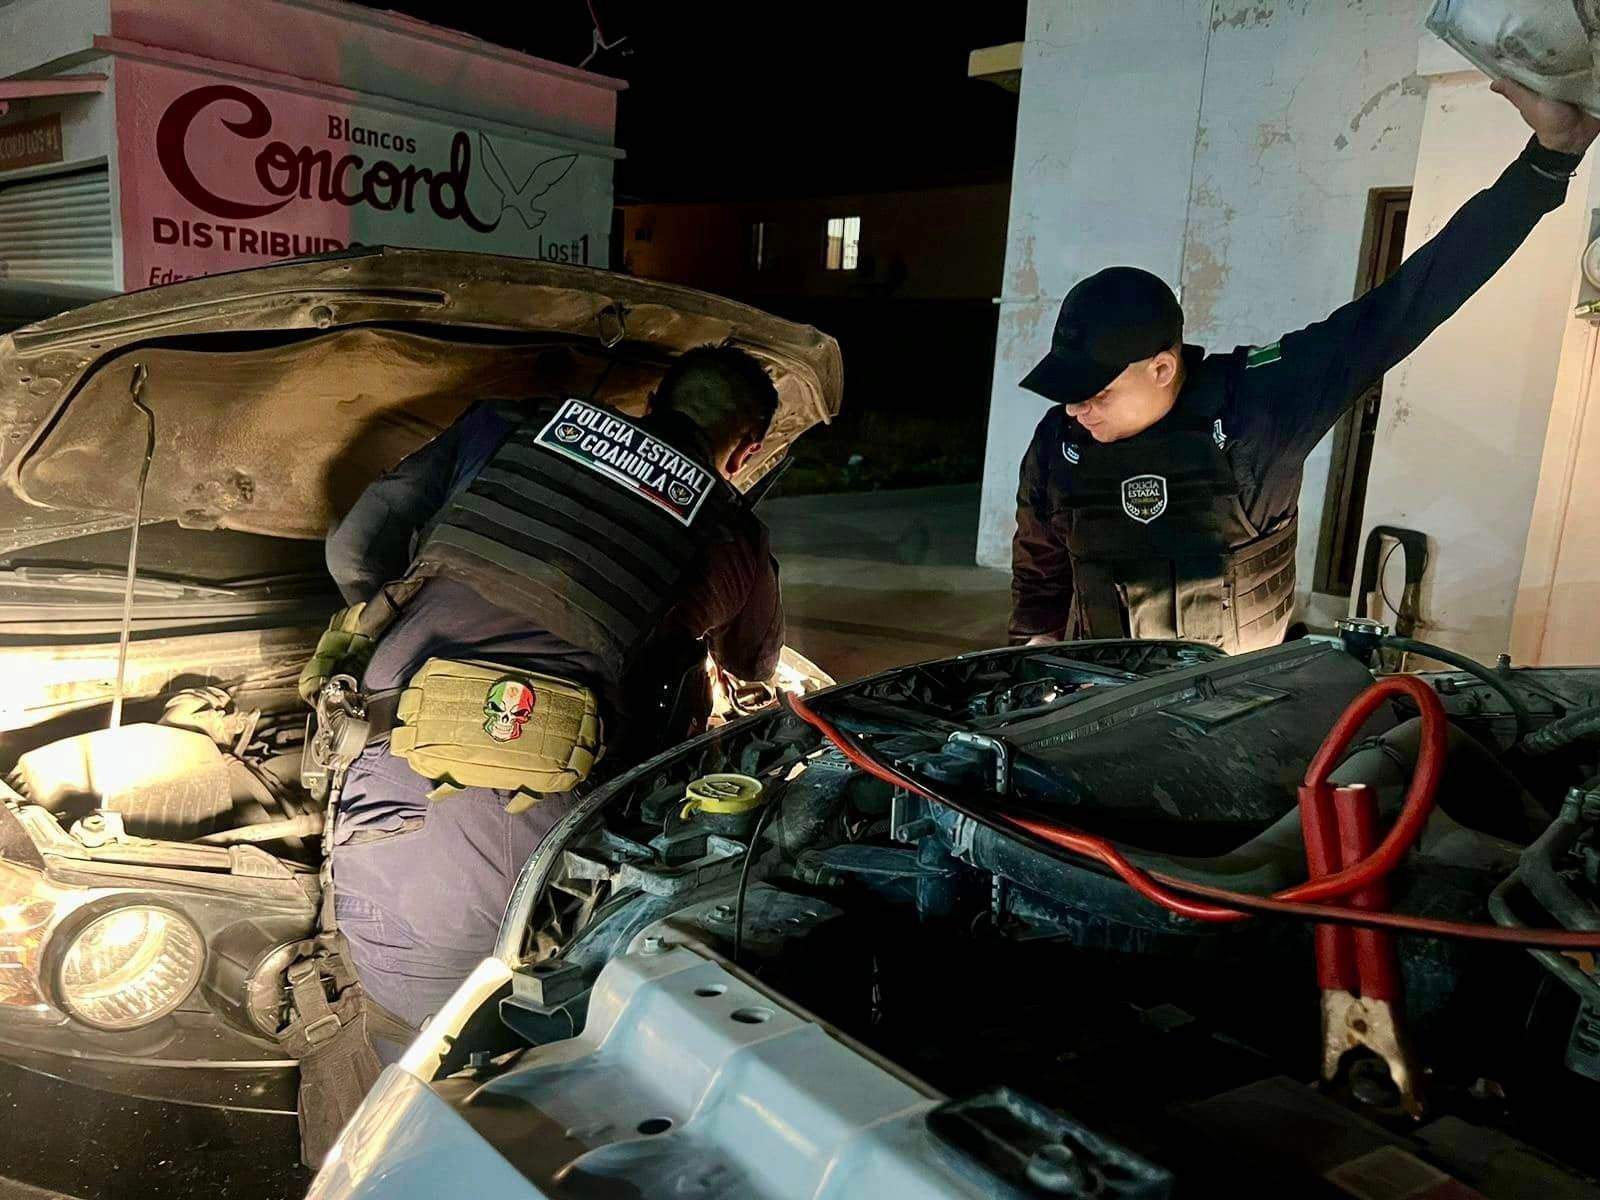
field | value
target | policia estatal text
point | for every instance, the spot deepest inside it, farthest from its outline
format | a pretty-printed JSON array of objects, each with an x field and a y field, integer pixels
[{"x": 1159, "y": 497}]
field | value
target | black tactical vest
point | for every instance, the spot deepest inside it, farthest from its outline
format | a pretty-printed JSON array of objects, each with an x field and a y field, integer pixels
[
  {"x": 1161, "y": 546},
  {"x": 585, "y": 520}
]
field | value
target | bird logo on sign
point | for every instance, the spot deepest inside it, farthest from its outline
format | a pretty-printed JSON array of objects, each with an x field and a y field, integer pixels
[{"x": 520, "y": 200}]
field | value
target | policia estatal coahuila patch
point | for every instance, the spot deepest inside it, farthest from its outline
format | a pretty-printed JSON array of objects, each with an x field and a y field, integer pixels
[{"x": 616, "y": 449}]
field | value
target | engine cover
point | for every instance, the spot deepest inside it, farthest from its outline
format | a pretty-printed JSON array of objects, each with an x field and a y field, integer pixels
[
  {"x": 1193, "y": 761},
  {"x": 165, "y": 782}
]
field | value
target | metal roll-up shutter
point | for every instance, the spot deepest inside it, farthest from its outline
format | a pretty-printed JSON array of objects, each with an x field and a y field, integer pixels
[{"x": 57, "y": 230}]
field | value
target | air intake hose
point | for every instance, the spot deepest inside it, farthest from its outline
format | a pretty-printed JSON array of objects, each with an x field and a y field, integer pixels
[{"x": 1560, "y": 734}]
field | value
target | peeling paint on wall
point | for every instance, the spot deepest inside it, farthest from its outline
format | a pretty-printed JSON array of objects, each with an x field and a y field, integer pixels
[
  {"x": 1025, "y": 307},
  {"x": 1411, "y": 85},
  {"x": 1206, "y": 266},
  {"x": 1371, "y": 106},
  {"x": 1205, "y": 277},
  {"x": 1023, "y": 330},
  {"x": 1022, "y": 282},
  {"x": 1268, "y": 136},
  {"x": 1242, "y": 16}
]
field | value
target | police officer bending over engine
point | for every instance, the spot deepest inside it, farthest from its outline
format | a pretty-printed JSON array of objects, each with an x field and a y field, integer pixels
[
  {"x": 572, "y": 567},
  {"x": 1159, "y": 497}
]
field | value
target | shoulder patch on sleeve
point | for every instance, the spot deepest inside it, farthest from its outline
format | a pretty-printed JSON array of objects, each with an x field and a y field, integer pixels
[{"x": 1263, "y": 356}]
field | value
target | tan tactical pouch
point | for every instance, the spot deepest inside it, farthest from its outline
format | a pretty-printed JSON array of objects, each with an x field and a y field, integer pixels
[{"x": 464, "y": 724}]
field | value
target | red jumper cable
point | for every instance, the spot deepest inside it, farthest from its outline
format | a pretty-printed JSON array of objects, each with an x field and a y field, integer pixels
[
  {"x": 1357, "y": 969},
  {"x": 1178, "y": 895}
]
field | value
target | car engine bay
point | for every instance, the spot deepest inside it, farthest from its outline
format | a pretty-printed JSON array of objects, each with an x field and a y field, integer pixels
[
  {"x": 1031, "y": 988},
  {"x": 1023, "y": 987},
  {"x": 204, "y": 804},
  {"x": 216, "y": 768}
]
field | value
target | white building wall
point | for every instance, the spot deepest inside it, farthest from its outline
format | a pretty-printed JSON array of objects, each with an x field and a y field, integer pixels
[
  {"x": 1462, "y": 436},
  {"x": 88, "y": 127},
  {"x": 56, "y": 35},
  {"x": 1105, "y": 138},
  {"x": 1553, "y": 623},
  {"x": 1228, "y": 146},
  {"x": 106, "y": 114}
]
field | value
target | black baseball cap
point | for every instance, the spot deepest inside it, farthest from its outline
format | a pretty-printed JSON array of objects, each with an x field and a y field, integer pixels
[{"x": 1112, "y": 319}]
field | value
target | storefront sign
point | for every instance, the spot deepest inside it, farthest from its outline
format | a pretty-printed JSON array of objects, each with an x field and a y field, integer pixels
[
  {"x": 218, "y": 176},
  {"x": 30, "y": 143}
]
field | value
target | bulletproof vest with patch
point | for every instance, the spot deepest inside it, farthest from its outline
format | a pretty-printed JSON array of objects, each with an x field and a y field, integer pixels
[
  {"x": 1160, "y": 543},
  {"x": 587, "y": 521}
]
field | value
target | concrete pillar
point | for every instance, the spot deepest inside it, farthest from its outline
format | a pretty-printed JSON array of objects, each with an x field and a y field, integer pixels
[
  {"x": 1553, "y": 623},
  {"x": 1105, "y": 147},
  {"x": 1461, "y": 440}
]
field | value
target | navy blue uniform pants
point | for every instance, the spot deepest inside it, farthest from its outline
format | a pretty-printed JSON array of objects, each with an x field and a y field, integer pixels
[{"x": 421, "y": 886}]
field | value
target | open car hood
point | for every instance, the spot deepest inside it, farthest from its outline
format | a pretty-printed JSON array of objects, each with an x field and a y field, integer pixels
[{"x": 281, "y": 391}]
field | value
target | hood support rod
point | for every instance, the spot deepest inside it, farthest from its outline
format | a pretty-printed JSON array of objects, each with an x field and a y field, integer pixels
[{"x": 135, "y": 393}]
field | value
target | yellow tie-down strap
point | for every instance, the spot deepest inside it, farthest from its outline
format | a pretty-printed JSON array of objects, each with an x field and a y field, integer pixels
[{"x": 465, "y": 724}]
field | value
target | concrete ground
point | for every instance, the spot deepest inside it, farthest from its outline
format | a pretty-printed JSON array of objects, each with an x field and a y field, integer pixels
[{"x": 881, "y": 579}]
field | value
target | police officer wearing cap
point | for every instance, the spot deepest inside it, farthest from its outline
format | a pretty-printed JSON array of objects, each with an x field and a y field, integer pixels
[{"x": 1158, "y": 498}]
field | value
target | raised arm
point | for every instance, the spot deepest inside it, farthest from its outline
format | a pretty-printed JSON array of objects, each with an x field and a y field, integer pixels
[{"x": 1336, "y": 360}]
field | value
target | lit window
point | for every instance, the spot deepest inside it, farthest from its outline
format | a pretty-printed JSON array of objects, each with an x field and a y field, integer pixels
[
  {"x": 758, "y": 244},
  {"x": 844, "y": 243}
]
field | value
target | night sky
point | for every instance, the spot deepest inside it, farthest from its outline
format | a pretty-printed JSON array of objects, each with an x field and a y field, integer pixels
[{"x": 726, "y": 103}]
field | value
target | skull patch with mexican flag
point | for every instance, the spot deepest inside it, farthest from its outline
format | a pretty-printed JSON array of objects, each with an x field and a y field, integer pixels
[{"x": 507, "y": 708}]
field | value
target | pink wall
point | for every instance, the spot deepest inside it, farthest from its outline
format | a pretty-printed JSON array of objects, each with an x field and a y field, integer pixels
[
  {"x": 218, "y": 174},
  {"x": 382, "y": 54},
  {"x": 295, "y": 127}
]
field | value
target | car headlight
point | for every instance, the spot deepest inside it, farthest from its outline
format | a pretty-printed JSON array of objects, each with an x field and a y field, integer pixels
[
  {"x": 27, "y": 908},
  {"x": 129, "y": 966}
]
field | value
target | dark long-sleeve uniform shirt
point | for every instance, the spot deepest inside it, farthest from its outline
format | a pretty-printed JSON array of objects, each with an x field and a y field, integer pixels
[
  {"x": 732, "y": 600},
  {"x": 1286, "y": 396}
]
